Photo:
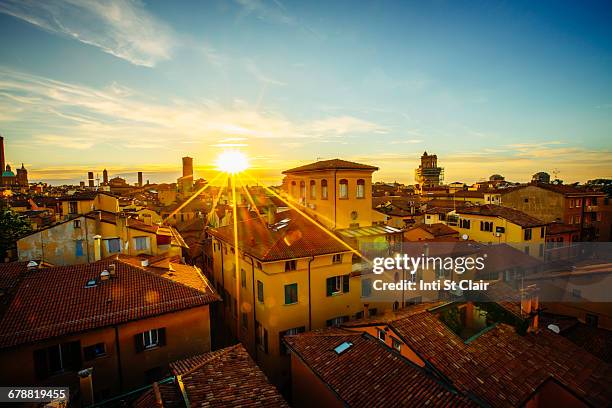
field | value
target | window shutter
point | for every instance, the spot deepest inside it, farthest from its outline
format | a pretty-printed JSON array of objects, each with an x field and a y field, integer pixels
[
  {"x": 345, "y": 283},
  {"x": 265, "y": 340},
  {"x": 161, "y": 336},
  {"x": 41, "y": 367},
  {"x": 138, "y": 340},
  {"x": 330, "y": 286}
]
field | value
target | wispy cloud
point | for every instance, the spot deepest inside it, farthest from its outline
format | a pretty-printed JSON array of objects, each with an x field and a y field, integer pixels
[
  {"x": 122, "y": 117},
  {"x": 273, "y": 11},
  {"x": 254, "y": 70},
  {"x": 121, "y": 28}
]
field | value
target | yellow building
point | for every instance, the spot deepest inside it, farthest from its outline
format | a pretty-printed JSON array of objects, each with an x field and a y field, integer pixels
[
  {"x": 292, "y": 277},
  {"x": 96, "y": 235},
  {"x": 496, "y": 224},
  {"x": 88, "y": 201},
  {"x": 338, "y": 193}
]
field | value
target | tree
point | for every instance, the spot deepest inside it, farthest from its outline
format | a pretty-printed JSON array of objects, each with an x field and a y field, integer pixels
[{"x": 12, "y": 227}]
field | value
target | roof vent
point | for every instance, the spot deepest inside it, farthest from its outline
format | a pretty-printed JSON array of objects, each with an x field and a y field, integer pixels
[
  {"x": 91, "y": 284},
  {"x": 144, "y": 262},
  {"x": 105, "y": 275},
  {"x": 554, "y": 328},
  {"x": 32, "y": 265},
  {"x": 343, "y": 347}
]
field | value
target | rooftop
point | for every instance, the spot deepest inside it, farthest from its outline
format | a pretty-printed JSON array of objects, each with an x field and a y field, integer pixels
[
  {"x": 334, "y": 164},
  {"x": 292, "y": 236},
  {"x": 55, "y": 301},
  {"x": 500, "y": 366},
  {"x": 437, "y": 230},
  {"x": 510, "y": 214},
  {"x": 363, "y": 372}
]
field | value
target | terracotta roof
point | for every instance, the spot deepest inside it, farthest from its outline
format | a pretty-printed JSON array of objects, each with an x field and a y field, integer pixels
[
  {"x": 300, "y": 238},
  {"x": 437, "y": 229},
  {"x": 169, "y": 397},
  {"x": 226, "y": 378},
  {"x": 560, "y": 228},
  {"x": 10, "y": 273},
  {"x": 566, "y": 190},
  {"x": 502, "y": 367},
  {"x": 335, "y": 164},
  {"x": 369, "y": 373},
  {"x": 54, "y": 301},
  {"x": 510, "y": 214}
]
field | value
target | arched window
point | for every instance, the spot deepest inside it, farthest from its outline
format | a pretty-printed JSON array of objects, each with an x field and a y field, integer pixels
[
  {"x": 323, "y": 189},
  {"x": 361, "y": 188},
  {"x": 343, "y": 188},
  {"x": 313, "y": 190},
  {"x": 302, "y": 189},
  {"x": 292, "y": 192}
]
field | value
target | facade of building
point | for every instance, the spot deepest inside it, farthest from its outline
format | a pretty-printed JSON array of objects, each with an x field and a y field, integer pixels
[
  {"x": 337, "y": 193},
  {"x": 104, "y": 315},
  {"x": 560, "y": 203},
  {"x": 428, "y": 174}
]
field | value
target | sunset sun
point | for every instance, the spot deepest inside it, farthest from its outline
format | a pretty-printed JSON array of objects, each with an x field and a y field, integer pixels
[{"x": 232, "y": 162}]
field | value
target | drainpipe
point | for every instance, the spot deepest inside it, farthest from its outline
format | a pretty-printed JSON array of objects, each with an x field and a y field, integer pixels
[
  {"x": 118, "y": 351},
  {"x": 309, "y": 297}
]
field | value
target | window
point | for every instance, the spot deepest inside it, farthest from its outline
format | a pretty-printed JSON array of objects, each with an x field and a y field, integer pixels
[
  {"x": 291, "y": 294},
  {"x": 486, "y": 226},
  {"x": 290, "y": 332},
  {"x": 79, "y": 247},
  {"x": 337, "y": 258},
  {"x": 343, "y": 189},
  {"x": 361, "y": 188},
  {"x": 259, "y": 265},
  {"x": 113, "y": 245},
  {"x": 337, "y": 321},
  {"x": 260, "y": 291},
  {"x": 57, "y": 359},
  {"x": 243, "y": 278},
  {"x": 245, "y": 320},
  {"x": 397, "y": 345},
  {"x": 302, "y": 189},
  {"x": 382, "y": 336},
  {"x": 576, "y": 293},
  {"x": 465, "y": 224},
  {"x": 76, "y": 224},
  {"x": 293, "y": 188},
  {"x": 261, "y": 337},
  {"x": 94, "y": 351},
  {"x": 542, "y": 229},
  {"x": 313, "y": 190},
  {"x": 527, "y": 234},
  {"x": 366, "y": 287},
  {"x": 323, "y": 189},
  {"x": 73, "y": 207},
  {"x": 290, "y": 265},
  {"x": 141, "y": 243},
  {"x": 150, "y": 339},
  {"x": 337, "y": 284},
  {"x": 526, "y": 200}
]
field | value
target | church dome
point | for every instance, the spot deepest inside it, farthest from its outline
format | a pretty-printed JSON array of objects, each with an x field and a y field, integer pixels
[{"x": 8, "y": 173}]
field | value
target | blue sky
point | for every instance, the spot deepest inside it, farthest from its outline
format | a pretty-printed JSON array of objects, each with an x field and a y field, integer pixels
[{"x": 491, "y": 87}]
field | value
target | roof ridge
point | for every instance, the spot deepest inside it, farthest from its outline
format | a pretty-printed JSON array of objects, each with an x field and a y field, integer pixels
[{"x": 216, "y": 356}]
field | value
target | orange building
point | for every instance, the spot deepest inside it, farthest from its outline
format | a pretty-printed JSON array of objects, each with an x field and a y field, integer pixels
[{"x": 120, "y": 321}]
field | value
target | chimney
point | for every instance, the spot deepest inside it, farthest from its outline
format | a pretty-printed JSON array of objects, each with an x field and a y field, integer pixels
[
  {"x": 271, "y": 212},
  {"x": 86, "y": 386},
  {"x": 530, "y": 304},
  {"x": 112, "y": 269},
  {"x": 158, "y": 399},
  {"x": 105, "y": 275}
]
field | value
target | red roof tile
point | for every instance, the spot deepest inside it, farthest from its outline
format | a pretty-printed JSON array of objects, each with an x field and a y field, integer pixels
[
  {"x": 300, "y": 238},
  {"x": 369, "y": 373},
  {"x": 226, "y": 378},
  {"x": 54, "y": 301},
  {"x": 502, "y": 367},
  {"x": 437, "y": 229},
  {"x": 334, "y": 164}
]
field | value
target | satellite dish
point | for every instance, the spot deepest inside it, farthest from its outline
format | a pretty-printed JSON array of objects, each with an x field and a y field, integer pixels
[
  {"x": 464, "y": 237},
  {"x": 554, "y": 328}
]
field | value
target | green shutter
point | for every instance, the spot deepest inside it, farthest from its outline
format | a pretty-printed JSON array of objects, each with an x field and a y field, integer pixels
[
  {"x": 345, "y": 283},
  {"x": 330, "y": 286}
]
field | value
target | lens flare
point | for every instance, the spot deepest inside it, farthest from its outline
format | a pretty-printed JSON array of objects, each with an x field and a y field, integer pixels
[{"x": 232, "y": 162}]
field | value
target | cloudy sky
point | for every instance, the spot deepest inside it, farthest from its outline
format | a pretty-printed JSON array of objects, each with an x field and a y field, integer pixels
[{"x": 491, "y": 87}]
